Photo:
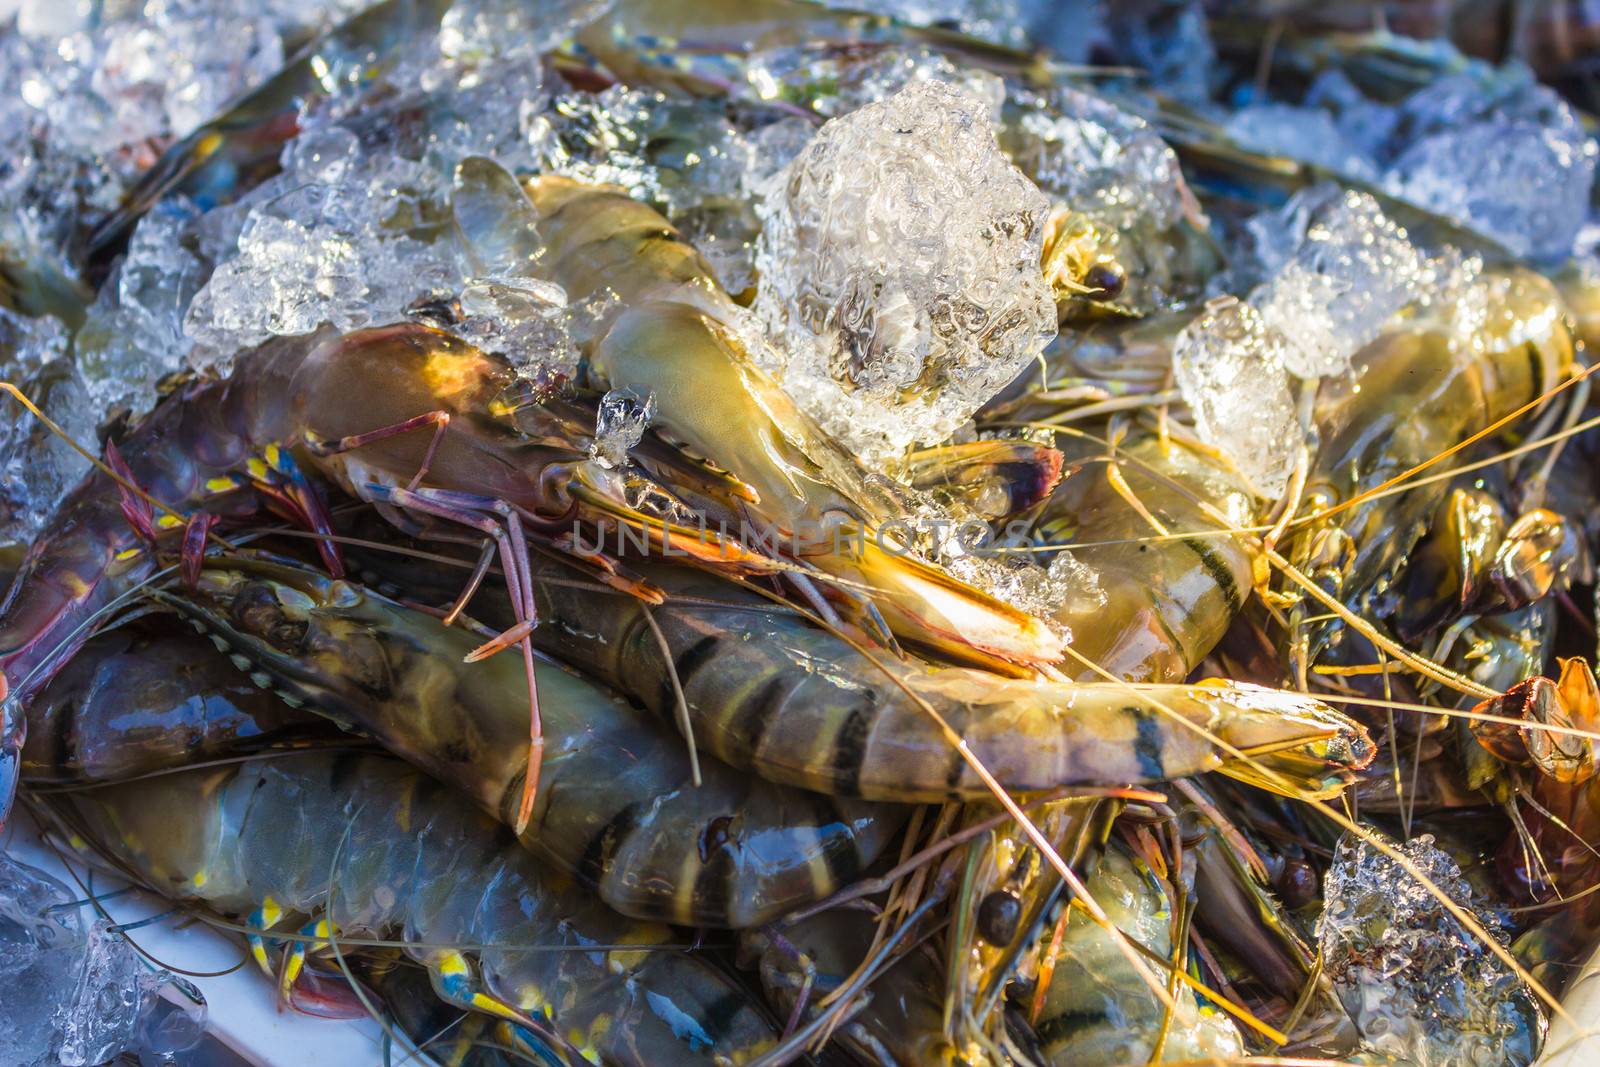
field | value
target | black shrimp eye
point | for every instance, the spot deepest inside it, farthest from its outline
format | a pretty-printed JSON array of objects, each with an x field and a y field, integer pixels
[
  {"x": 1297, "y": 883},
  {"x": 998, "y": 916},
  {"x": 1104, "y": 281}
]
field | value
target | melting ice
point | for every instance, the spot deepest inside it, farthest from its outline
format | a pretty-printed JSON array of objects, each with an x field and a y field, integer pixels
[
  {"x": 899, "y": 266},
  {"x": 1419, "y": 986}
]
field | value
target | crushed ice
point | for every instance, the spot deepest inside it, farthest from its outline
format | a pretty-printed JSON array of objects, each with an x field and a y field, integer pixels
[
  {"x": 1352, "y": 270},
  {"x": 899, "y": 266},
  {"x": 1420, "y": 988},
  {"x": 620, "y": 424},
  {"x": 75, "y": 995},
  {"x": 1488, "y": 147}
]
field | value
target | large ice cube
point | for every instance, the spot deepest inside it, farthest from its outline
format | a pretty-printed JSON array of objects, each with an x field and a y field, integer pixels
[
  {"x": 1519, "y": 171},
  {"x": 36, "y": 466},
  {"x": 133, "y": 335},
  {"x": 1420, "y": 988},
  {"x": 899, "y": 267},
  {"x": 37, "y": 954},
  {"x": 1232, "y": 370},
  {"x": 73, "y": 996},
  {"x": 1353, "y": 271}
]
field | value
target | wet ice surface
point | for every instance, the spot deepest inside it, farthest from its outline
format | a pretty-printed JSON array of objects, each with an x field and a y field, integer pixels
[
  {"x": 1419, "y": 986},
  {"x": 1351, "y": 271},
  {"x": 36, "y": 467},
  {"x": 74, "y": 994},
  {"x": 1232, "y": 370},
  {"x": 993, "y": 20},
  {"x": 95, "y": 92},
  {"x": 620, "y": 424},
  {"x": 1487, "y": 147},
  {"x": 899, "y": 264},
  {"x": 1108, "y": 165},
  {"x": 37, "y": 954}
]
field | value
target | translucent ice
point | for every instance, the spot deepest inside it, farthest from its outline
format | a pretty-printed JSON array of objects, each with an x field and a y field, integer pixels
[
  {"x": 1097, "y": 158},
  {"x": 899, "y": 266},
  {"x": 524, "y": 319},
  {"x": 1487, "y": 147},
  {"x": 133, "y": 336},
  {"x": 993, "y": 20},
  {"x": 1420, "y": 987},
  {"x": 73, "y": 996},
  {"x": 1516, "y": 165},
  {"x": 1232, "y": 370},
  {"x": 1110, "y": 167},
  {"x": 37, "y": 467},
  {"x": 38, "y": 952},
  {"x": 620, "y": 424},
  {"x": 1168, "y": 40},
  {"x": 686, "y": 157},
  {"x": 473, "y": 30},
  {"x": 1353, "y": 271},
  {"x": 287, "y": 279},
  {"x": 348, "y": 234},
  {"x": 831, "y": 82},
  {"x": 1304, "y": 133},
  {"x": 112, "y": 991},
  {"x": 676, "y": 153}
]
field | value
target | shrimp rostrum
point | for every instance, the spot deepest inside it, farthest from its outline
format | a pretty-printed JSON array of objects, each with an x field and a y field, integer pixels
[{"x": 320, "y": 846}]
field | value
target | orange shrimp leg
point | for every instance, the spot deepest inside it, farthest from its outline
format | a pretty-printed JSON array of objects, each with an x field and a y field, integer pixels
[
  {"x": 502, "y": 522},
  {"x": 439, "y": 420}
]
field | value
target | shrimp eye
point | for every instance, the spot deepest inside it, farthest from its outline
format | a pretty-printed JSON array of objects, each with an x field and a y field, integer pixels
[
  {"x": 998, "y": 916},
  {"x": 1297, "y": 883},
  {"x": 1104, "y": 281}
]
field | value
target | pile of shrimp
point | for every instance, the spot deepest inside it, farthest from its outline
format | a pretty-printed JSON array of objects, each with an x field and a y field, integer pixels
[{"x": 376, "y": 649}]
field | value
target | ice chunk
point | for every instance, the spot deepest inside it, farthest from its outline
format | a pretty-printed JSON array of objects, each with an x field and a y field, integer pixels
[
  {"x": 1305, "y": 133},
  {"x": 899, "y": 266},
  {"x": 38, "y": 954},
  {"x": 37, "y": 467},
  {"x": 1521, "y": 173},
  {"x": 1097, "y": 158},
  {"x": 832, "y": 83},
  {"x": 287, "y": 279},
  {"x": 524, "y": 319},
  {"x": 1169, "y": 41},
  {"x": 1420, "y": 988},
  {"x": 73, "y": 996},
  {"x": 1353, "y": 271},
  {"x": 1487, "y": 147},
  {"x": 310, "y": 253},
  {"x": 1112, "y": 171},
  {"x": 1232, "y": 369},
  {"x": 993, "y": 20},
  {"x": 133, "y": 335},
  {"x": 476, "y": 30},
  {"x": 112, "y": 992},
  {"x": 620, "y": 424}
]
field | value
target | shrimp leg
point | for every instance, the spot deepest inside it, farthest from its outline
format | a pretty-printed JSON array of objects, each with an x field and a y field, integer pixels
[{"x": 473, "y": 511}]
